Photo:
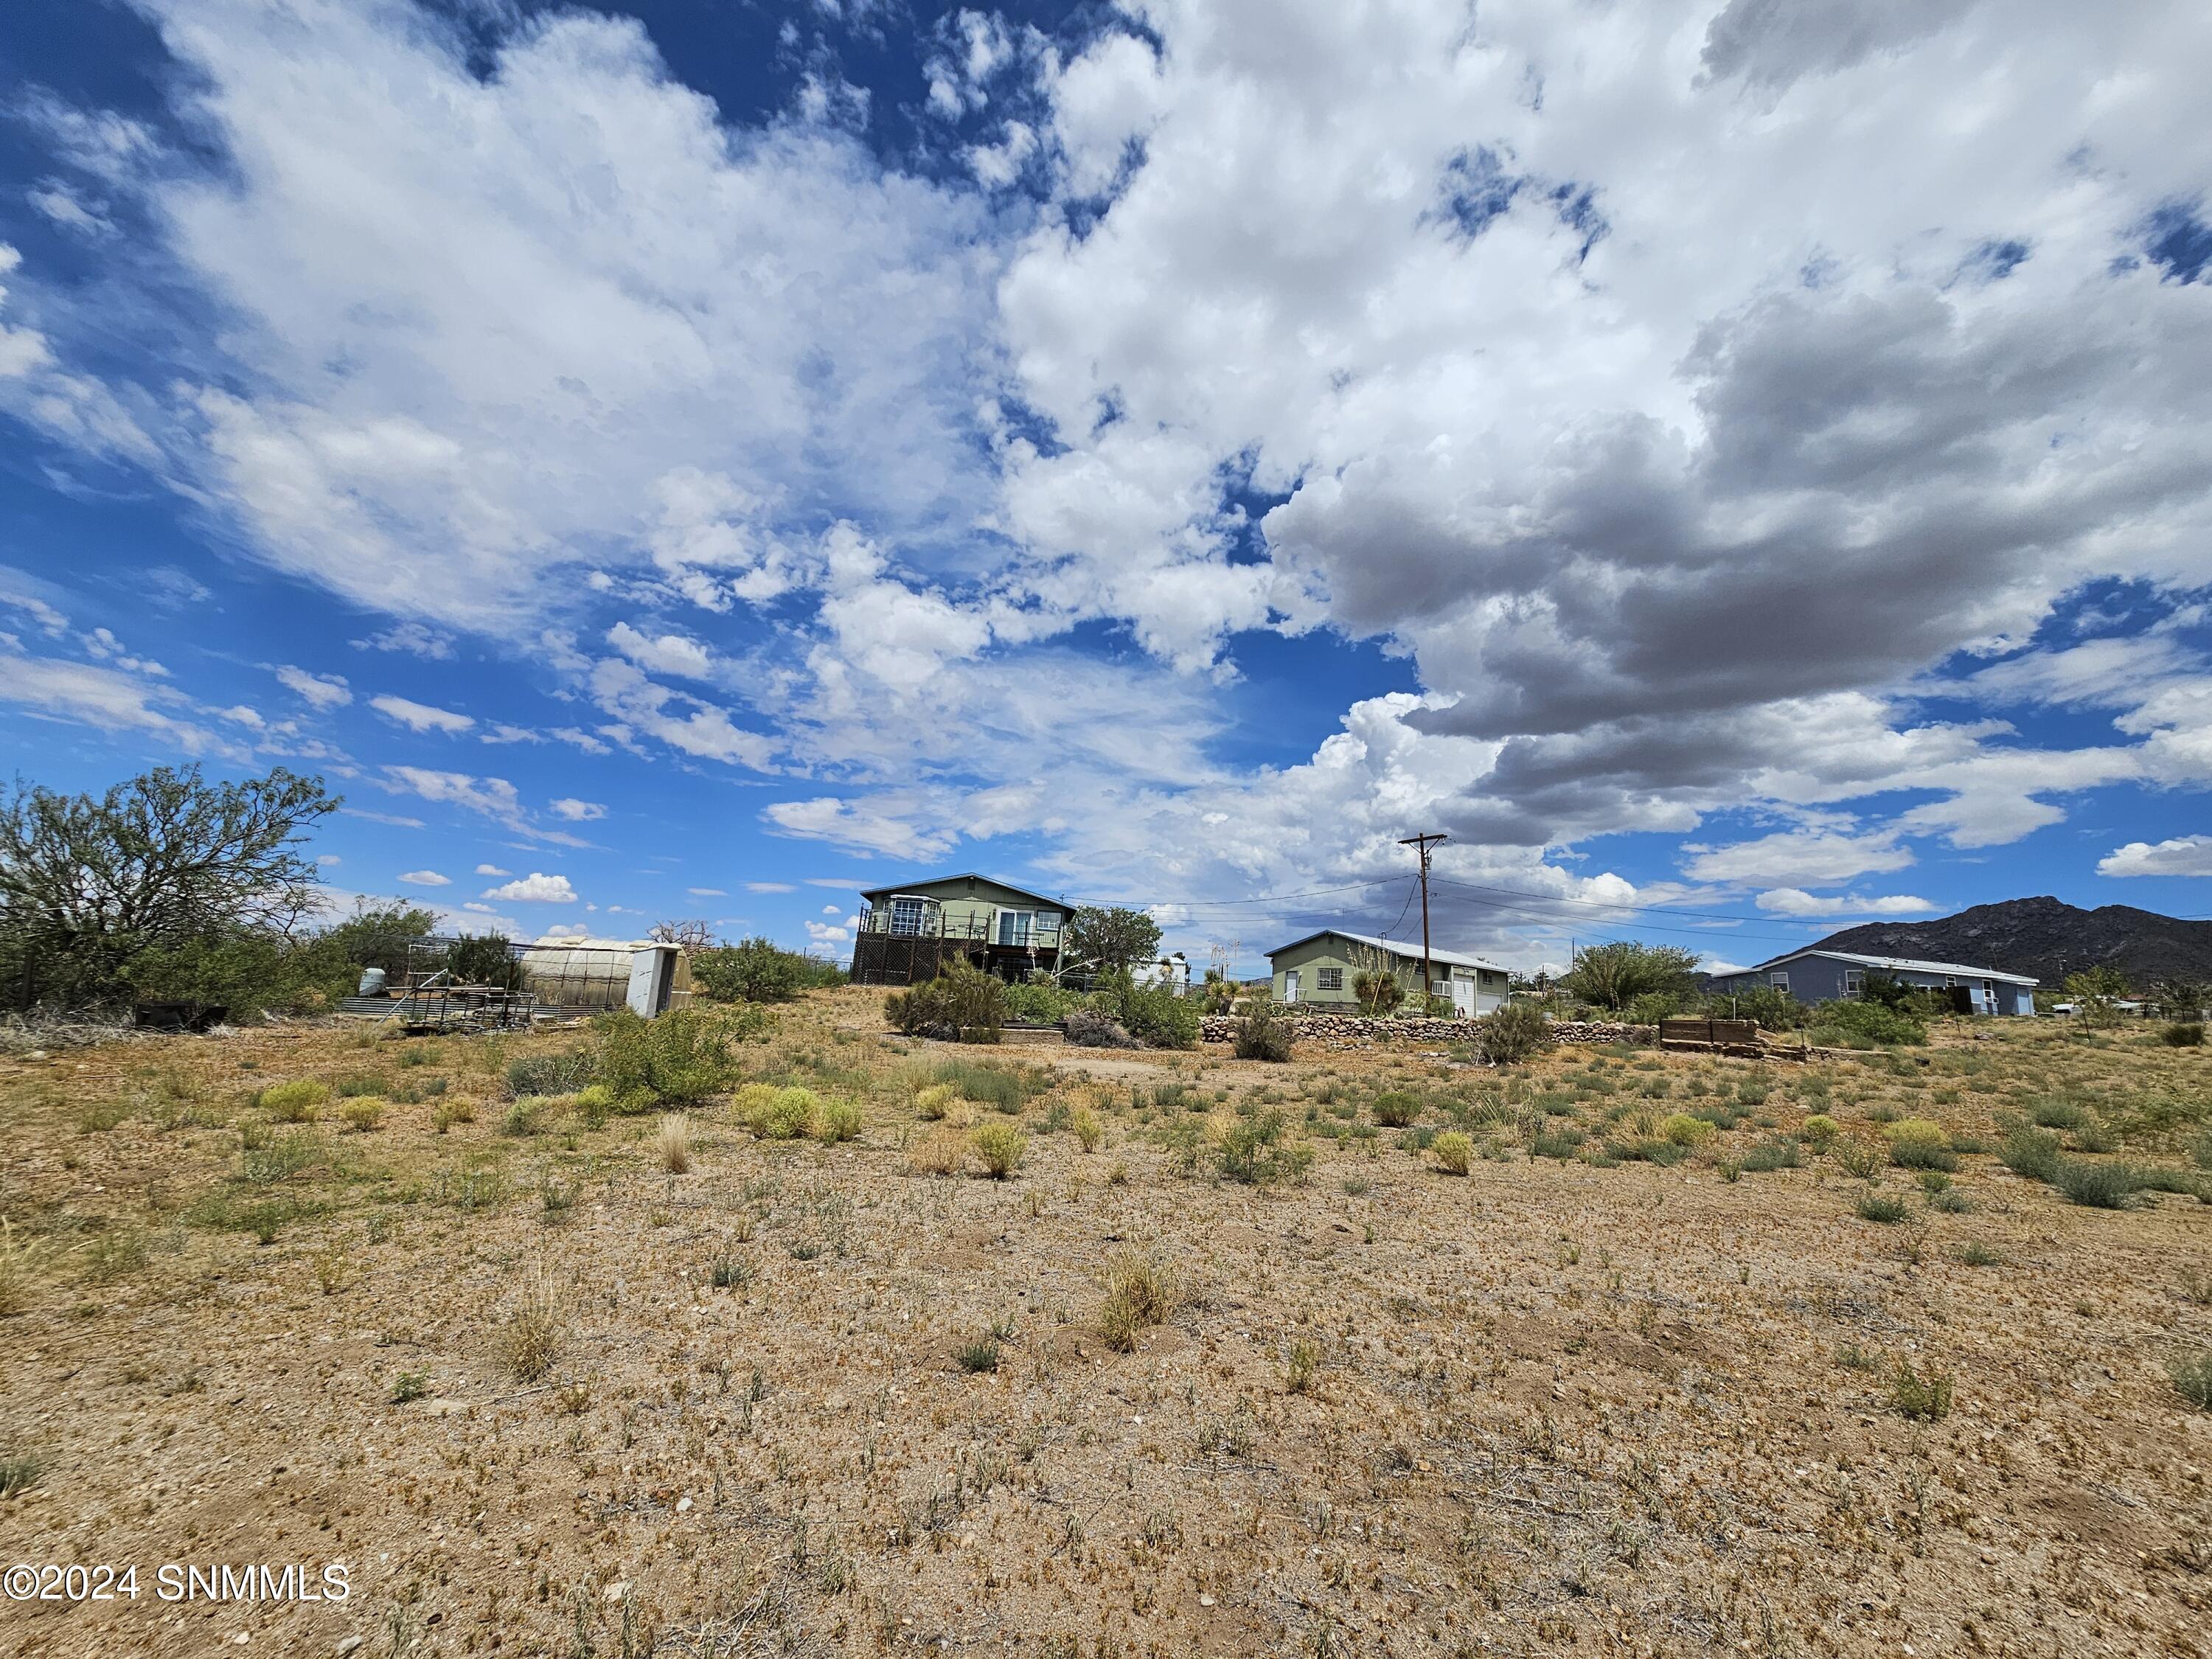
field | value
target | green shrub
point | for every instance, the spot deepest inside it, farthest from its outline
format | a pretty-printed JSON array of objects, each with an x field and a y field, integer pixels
[
  {"x": 1820, "y": 1129},
  {"x": 1559, "y": 1143},
  {"x": 752, "y": 970},
  {"x": 1859, "y": 1024},
  {"x": 1924, "y": 1398},
  {"x": 299, "y": 1101},
  {"x": 2058, "y": 1114},
  {"x": 683, "y": 1056},
  {"x": 351, "y": 1087},
  {"x": 1394, "y": 1109},
  {"x": 2192, "y": 1378},
  {"x": 999, "y": 1146},
  {"x": 1153, "y": 1013},
  {"x": 1767, "y": 1006},
  {"x": 1259, "y": 1150},
  {"x": 1003, "y": 1088},
  {"x": 2097, "y": 1186},
  {"x": 527, "y": 1116},
  {"x": 1683, "y": 1130},
  {"x": 962, "y": 1004},
  {"x": 2183, "y": 1034},
  {"x": 1454, "y": 1152},
  {"x": 1513, "y": 1033},
  {"x": 1877, "y": 1206},
  {"x": 1089, "y": 1131},
  {"x": 840, "y": 1120},
  {"x": 1263, "y": 1035},
  {"x": 362, "y": 1116},
  {"x": 1036, "y": 1004},
  {"x": 1776, "y": 1152},
  {"x": 2031, "y": 1152},
  {"x": 774, "y": 1113},
  {"x": 1915, "y": 1142},
  {"x": 981, "y": 1355},
  {"x": 560, "y": 1074}
]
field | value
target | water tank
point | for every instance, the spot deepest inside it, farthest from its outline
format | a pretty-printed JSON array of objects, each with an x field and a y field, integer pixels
[{"x": 372, "y": 983}]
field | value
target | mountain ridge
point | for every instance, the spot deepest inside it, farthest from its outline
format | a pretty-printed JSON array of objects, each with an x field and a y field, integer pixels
[{"x": 2046, "y": 937}]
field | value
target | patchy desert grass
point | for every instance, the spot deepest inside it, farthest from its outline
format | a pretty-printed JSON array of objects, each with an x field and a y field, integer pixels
[{"x": 1613, "y": 1350}]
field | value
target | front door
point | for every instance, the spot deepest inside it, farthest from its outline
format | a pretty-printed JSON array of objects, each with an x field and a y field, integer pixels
[
  {"x": 1291, "y": 986},
  {"x": 1463, "y": 996}
]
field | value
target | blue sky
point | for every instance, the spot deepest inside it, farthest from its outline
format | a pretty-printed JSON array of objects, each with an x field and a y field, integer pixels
[{"x": 1738, "y": 473}]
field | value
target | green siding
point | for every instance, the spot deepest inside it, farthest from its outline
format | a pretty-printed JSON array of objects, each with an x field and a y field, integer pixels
[
  {"x": 1330, "y": 950},
  {"x": 970, "y": 904}
]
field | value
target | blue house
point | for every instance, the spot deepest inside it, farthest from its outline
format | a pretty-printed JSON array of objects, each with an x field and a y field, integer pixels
[{"x": 1815, "y": 975}]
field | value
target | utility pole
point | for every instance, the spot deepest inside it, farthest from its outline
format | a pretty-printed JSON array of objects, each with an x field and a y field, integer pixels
[{"x": 1421, "y": 844}]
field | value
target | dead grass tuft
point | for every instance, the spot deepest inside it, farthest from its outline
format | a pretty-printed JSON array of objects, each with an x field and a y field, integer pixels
[
  {"x": 1140, "y": 1294},
  {"x": 675, "y": 1144}
]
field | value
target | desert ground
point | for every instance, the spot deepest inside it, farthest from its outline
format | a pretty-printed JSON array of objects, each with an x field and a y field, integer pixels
[{"x": 541, "y": 1393}]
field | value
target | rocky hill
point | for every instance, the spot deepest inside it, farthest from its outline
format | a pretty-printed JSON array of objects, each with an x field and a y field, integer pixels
[{"x": 2048, "y": 939}]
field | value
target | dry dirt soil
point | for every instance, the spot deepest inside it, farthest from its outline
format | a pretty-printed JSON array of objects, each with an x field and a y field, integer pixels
[{"x": 542, "y": 1395}]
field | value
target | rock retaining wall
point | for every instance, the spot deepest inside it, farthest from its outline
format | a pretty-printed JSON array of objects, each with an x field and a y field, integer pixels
[{"x": 1347, "y": 1031}]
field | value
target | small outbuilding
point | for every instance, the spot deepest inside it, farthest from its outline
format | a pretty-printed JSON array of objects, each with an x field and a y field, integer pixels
[
  {"x": 1321, "y": 968},
  {"x": 1814, "y": 974}
]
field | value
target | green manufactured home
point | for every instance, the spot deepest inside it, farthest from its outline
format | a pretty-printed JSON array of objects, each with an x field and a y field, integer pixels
[
  {"x": 1322, "y": 967},
  {"x": 912, "y": 929}
]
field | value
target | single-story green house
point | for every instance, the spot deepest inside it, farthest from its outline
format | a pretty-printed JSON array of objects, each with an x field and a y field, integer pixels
[
  {"x": 1322, "y": 967},
  {"x": 911, "y": 929}
]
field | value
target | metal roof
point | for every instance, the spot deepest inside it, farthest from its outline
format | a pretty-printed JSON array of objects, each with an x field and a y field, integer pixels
[
  {"x": 1895, "y": 964},
  {"x": 963, "y": 875},
  {"x": 1411, "y": 952}
]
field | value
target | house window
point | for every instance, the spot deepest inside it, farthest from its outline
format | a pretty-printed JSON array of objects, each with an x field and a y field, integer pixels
[
  {"x": 907, "y": 914},
  {"x": 1780, "y": 981},
  {"x": 1016, "y": 926},
  {"x": 1328, "y": 979},
  {"x": 1854, "y": 980}
]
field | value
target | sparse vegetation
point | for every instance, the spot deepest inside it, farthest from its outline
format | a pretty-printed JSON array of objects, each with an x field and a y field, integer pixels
[
  {"x": 1140, "y": 1294},
  {"x": 999, "y": 1147},
  {"x": 711, "y": 1335},
  {"x": 674, "y": 1144},
  {"x": 1923, "y": 1395},
  {"x": 1453, "y": 1152},
  {"x": 1263, "y": 1035}
]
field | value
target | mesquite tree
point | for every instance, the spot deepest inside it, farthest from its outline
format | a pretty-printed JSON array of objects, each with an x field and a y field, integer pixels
[{"x": 165, "y": 862}]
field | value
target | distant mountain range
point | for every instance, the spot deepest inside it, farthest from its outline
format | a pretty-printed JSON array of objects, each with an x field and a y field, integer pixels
[{"x": 2048, "y": 939}]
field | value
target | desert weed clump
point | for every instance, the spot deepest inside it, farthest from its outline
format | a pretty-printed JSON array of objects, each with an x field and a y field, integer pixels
[
  {"x": 1683, "y": 1130},
  {"x": 932, "y": 1103},
  {"x": 1915, "y": 1142},
  {"x": 1923, "y": 1397},
  {"x": 1140, "y": 1294},
  {"x": 298, "y": 1102},
  {"x": 1084, "y": 1123},
  {"x": 1396, "y": 1108},
  {"x": 363, "y": 1114},
  {"x": 840, "y": 1120},
  {"x": 940, "y": 1153},
  {"x": 1453, "y": 1152},
  {"x": 1856, "y": 1155},
  {"x": 775, "y": 1114},
  {"x": 1261, "y": 1149},
  {"x": 999, "y": 1147},
  {"x": 674, "y": 1144},
  {"x": 530, "y": 1340},
  {"x": 2191, "y": 1376}
]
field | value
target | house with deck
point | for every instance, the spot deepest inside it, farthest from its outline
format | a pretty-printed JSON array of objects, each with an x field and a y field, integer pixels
[
  {"x": 1321, "y": 969},
  {"x": 1815, "y": 975},
  {"x": 911, "y": 930}
]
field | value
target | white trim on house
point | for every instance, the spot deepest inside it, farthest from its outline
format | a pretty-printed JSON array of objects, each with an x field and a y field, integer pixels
[{"x": 1897, "y": 965}]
